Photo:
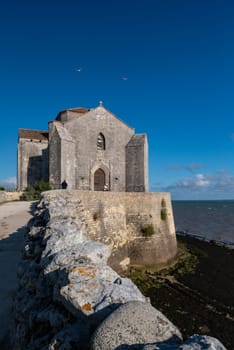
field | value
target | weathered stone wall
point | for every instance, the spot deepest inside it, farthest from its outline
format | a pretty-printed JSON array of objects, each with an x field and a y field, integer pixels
[
  {"x": 33, "y": 163},
  {"x": 54, "y": 157},
  {"x": 137, "y": 164},
  {"x": 88, "y": 158},
  {"x": 119, "y": 219},
  {"x": 74, "y": 154},
  {"x": 62, "y": 156},
  {"x": 69, "y": 298},
  {"x": 78, "y": 157},
  {"x": 9, "y": 196}
]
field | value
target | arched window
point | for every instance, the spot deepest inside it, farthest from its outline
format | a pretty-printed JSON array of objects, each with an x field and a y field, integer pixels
[{"x": 101, "y": 144}]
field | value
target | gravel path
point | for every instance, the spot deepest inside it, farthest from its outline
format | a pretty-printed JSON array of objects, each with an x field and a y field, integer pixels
[{"x": 13, "y": 218}]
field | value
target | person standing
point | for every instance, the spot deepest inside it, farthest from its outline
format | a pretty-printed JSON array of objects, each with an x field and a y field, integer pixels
[{"x": 64, "y": 185}]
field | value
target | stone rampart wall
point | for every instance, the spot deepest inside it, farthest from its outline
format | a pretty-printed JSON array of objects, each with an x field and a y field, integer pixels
[
  {"x": 119, "y": 219},
  {"x": 69, "y": 298},
  {"x": 9, "y": 196}
]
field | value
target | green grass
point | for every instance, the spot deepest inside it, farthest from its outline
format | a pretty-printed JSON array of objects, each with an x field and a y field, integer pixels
[{"x": 148, "y": 230}]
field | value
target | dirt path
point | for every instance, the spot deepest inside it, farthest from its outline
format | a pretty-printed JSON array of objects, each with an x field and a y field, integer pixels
[{"x": 13, "y": 218}]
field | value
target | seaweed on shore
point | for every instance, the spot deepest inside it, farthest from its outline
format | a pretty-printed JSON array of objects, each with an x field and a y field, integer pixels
[{"x": 196, "y": 292}]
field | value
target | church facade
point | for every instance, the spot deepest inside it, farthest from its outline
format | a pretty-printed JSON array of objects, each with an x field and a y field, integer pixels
[{"x": 86, "y": 149}]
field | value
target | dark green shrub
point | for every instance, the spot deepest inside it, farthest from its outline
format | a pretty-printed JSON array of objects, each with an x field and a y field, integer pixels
[
  {"x": 32, "y": 193},
  {"x": 42, "y": 186},
  {"x": 29, "y": 194},
  {"x": 148, "y": 230},
  {"x": 163, "y": 210},
  {"x": 163, "y": 203},
  {"x": 2, "y": 188},
  {"x": 164, "y": 214}
]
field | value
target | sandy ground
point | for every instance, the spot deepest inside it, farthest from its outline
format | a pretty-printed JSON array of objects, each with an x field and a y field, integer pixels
[{"x": 13, "y": 218}]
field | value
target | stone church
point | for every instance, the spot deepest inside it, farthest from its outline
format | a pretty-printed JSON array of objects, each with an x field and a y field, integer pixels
[{"x": 89, "y": 149}]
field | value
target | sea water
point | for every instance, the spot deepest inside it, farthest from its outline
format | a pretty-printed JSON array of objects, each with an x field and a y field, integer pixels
[{"x": 206, "y": 219}]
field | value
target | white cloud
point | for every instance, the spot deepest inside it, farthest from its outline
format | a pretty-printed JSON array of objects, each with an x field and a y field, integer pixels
[
  {"x": 201, "y": 181},
  {"x": 9, "y": 183},
  {"x": 194, "y": 182},
  {"x": 219, "y": 185}
]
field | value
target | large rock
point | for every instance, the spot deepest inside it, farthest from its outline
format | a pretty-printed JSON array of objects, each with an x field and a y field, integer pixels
[
  {"x": 91, "y": 288},
  {"x": 64, "y": 233},
  {"x": 134, "y": 323},
  {"x": 94, "y": 251}
]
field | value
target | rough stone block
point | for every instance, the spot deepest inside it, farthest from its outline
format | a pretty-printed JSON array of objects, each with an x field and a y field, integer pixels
[{"x": 134, "y": 323}]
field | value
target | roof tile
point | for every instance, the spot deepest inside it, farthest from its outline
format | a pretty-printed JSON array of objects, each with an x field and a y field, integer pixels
[{"x": 33, "y": 134}]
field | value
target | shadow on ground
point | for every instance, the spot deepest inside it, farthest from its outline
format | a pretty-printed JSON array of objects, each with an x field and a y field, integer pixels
[{"x": 10, "y": 256}]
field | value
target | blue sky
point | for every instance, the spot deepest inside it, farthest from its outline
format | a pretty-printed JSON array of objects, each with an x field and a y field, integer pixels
[{"x": 177, "y": 55}]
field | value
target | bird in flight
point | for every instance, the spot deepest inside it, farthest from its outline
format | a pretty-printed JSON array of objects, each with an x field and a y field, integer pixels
[
  {"x": 124, "y": 78},
  {"x": 78, "y": 70}
]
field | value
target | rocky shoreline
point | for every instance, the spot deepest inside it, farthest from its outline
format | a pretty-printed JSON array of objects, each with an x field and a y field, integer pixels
[
  {"x": 197, "y": 293},
  {"x": 223, "y": 243},
  {"x": 69, "y": 298}
]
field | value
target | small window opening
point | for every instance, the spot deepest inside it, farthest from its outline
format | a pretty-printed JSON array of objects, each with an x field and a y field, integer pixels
[{"x": 101, "y": 144}]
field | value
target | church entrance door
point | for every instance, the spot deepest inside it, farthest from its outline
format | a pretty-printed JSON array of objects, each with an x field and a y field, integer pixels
[{"x": 99, "y": 180}]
